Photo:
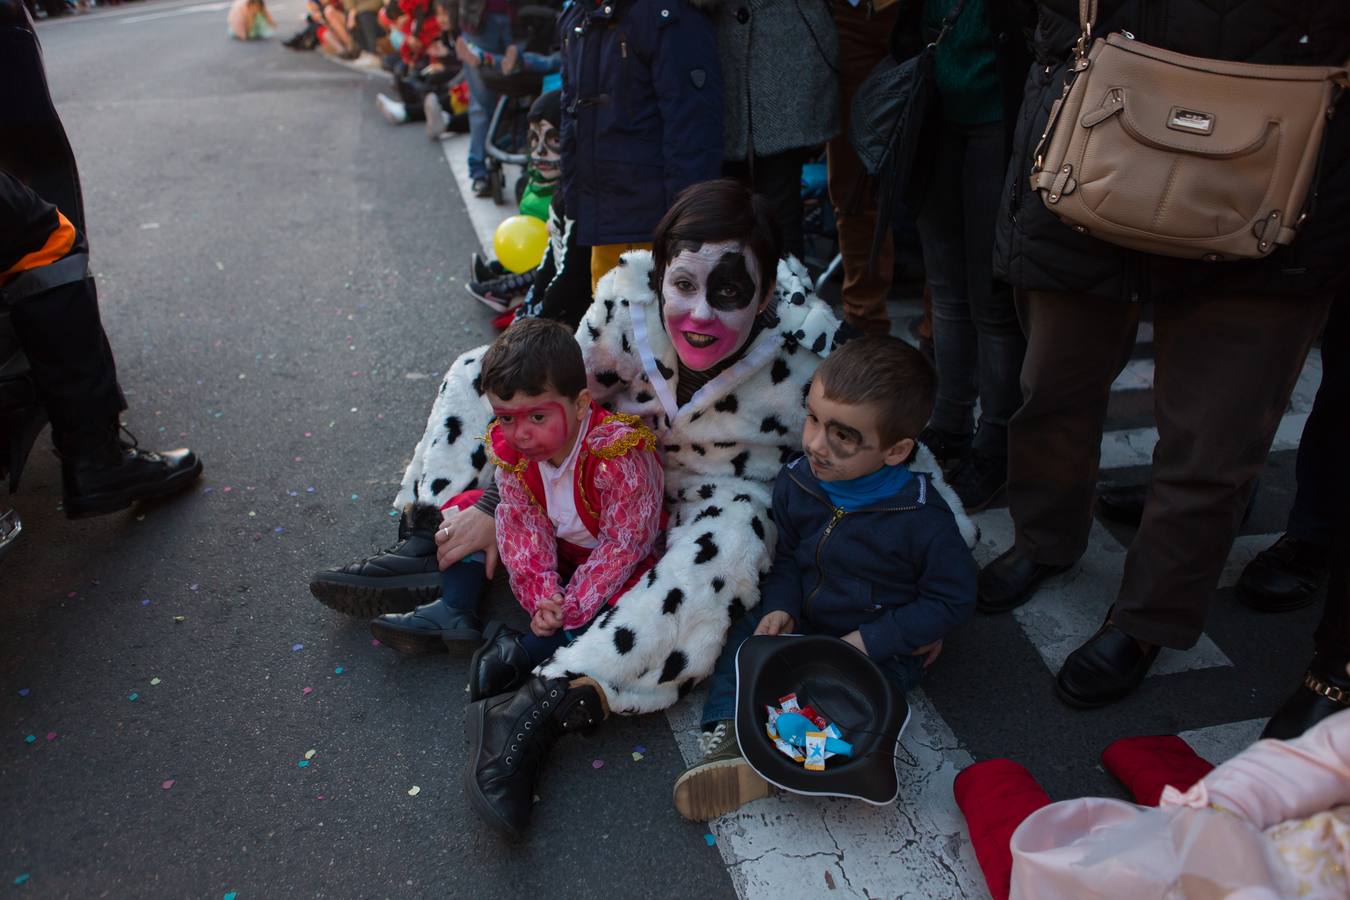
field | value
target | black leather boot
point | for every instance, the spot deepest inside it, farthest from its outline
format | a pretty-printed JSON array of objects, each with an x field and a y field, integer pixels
[
  {"x": 499, "y": 665},
  {"x": 393, "y": 581},
  {"x": 1286, "y": 575},
  {"x": 101, "y": 472},
  {"x": 1325, "y": 690},
  {"x": 510, "y": 736},
  {"x": 1122, "y": 503},
  {"x": 433, "y": 627}
]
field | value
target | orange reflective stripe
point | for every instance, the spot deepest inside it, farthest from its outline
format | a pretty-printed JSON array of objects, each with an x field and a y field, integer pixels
[{"x": 58, "y": 245}]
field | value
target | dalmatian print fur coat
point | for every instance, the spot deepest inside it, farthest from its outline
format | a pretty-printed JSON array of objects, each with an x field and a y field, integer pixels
[{"x": 722, "y": 451}]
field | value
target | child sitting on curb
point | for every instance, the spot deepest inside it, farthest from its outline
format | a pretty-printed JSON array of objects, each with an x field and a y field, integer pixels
[
  {"x": 581, "y": 494},
  {"x": 867, "y": 550}
]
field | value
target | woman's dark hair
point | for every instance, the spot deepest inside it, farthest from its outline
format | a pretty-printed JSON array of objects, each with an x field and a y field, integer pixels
[
  {"x": 882, "y": 371},
  {"x": 712, "y": 212},
  {"x": 531, "y": 356}
]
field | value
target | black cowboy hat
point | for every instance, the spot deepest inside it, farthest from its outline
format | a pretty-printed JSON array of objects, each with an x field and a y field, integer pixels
[{"x": 841, "y": 684}]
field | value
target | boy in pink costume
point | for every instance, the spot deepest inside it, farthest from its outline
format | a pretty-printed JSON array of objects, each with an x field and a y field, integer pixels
[{"x": 581, "y": 495}]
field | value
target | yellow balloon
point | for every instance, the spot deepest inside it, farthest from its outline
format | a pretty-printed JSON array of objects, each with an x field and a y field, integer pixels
[{"x": 520, "y": 242}]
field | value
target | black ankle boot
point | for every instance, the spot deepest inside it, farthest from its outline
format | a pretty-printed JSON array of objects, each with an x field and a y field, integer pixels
[
  {"x": 433, "y": 627},
  {"x": 510, "y": 736},
  {"x": 101, "y": 472},
  {"x": 392, "y": 581},
  {"x": 1286, "y": 575},
  {"x": 499, "y": 665},
  {"x": 1325, "y": 690}
]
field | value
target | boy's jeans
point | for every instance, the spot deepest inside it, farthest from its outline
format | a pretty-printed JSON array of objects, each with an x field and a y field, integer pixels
[
  {"x": 902, "y": 671},
  {"x": 493, "y": 35}
]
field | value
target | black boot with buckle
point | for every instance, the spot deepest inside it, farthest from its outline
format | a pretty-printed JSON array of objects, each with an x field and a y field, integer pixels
[
  {"x": 499, "y": 665},
  {"x": 1325, "y": 690},
  {"x": 396, "y": 580},
  {"x": 510, "y": 736}
]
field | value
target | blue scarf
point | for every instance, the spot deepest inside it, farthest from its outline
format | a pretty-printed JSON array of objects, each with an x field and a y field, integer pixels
[{"x": 855, "y": 493}]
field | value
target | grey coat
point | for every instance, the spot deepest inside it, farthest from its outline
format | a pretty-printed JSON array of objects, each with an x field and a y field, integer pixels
[{"x": 780, "y": 60}]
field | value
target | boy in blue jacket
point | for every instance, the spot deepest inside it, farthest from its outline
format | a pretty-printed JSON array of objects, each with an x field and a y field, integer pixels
[{"x": 867, "y": 550}]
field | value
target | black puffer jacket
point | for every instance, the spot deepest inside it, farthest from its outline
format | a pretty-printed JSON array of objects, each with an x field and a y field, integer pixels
[{"x": 1035, "y": 251}]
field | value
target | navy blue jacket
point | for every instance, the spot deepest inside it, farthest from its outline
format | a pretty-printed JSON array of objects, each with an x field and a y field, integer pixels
[
  {"x": 896, "y": 571},
  {"x": 642, "y": 113}
]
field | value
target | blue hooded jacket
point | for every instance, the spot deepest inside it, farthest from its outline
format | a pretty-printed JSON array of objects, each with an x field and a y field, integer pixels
[
  {"x": 897, "y": 571},
  {"x": 642, "y": 113}
]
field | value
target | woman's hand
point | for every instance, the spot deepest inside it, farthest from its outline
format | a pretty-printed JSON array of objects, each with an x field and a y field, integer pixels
[
  {"x": 463, "y": 533},
  {"x": 776, "y": 622}
]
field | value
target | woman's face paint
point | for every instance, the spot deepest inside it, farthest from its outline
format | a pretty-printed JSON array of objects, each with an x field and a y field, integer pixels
[
  {"x": 540, "y": 426},
  {"x": 708, "y": 302}
]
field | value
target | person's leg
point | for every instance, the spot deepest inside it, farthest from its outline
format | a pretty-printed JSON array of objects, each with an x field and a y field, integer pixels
[
  {"x": 1076, "y": 346},
  {"x": 779, "y": 178},
  {"x": 720, "y": 704},
  {"x": 863, "y": 42},
  {"x": 368, "y": 31},
  {"x": 481, "y": 103},
  {"x": 950, "y": 273},
  {"x": 411, "y": 93},
  {"x": 1225, "y": 367},
  {"x": 337, "y": 27},
  {"x": 1327, "y": 432}
]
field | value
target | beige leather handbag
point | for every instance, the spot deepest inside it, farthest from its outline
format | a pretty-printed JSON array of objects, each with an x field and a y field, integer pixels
[{"x": 1179, "y": 155}]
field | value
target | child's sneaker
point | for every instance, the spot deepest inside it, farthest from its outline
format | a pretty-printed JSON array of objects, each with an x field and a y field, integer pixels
[
  {"x": 394, "y": 113},
  {"x": 721, "y": 781},
  {"x": 501, "y": 293},
  {"x": 437, "y": 118},
  {"x": 485, "y": 269}
]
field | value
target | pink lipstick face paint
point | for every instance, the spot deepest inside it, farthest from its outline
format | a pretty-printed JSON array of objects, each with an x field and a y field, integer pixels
[
  {"x": 709, "y": 302},
  {"x": 537, "y": 431}
]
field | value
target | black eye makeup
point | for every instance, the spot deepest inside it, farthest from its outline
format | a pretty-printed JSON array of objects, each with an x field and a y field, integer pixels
[{"x": 730, "y": 286}]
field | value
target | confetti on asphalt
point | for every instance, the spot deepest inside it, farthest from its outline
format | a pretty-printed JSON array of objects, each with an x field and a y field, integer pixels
[
  {"x": 374, "y": 642},
  {"x": 154, "y": 681},
  {"x": 180, "y": 618},
  {"x": 829, "y": 880},
  {"x": 296, "y": 648},
  {"x": 414, "y": 791},
  {"x": 309, "y": 754},
  {"x": 710, "y": 839},
  {"x": 168, "y": 784},
  {"x": 146, "y": 226},
  {"x": 145, "y": 602},
  {"x": 639, "y": 749},
  {"x": 637, "y": 757},
  {"x": 31, "y": 738},
  {"x": 292, "y": 493},
  {"x": 193, "y": 587},
  {"x": 393, "y": 514},
  {"x": 311, "y": 489},
  {"x": 133, "y": 696},
  {"x": 355, "y": 497},
  {"x": 597, "y": 764},
  {"x": 303, "y": 763},
  {"x": 23, "y": 692},
  {"x": 230, "y": 895},
  {"x": 252, "y": 514},
  {"x": 20, "y": 879},
  {"x": 51, "y": 735},
  {"x": 278, "y": 530},
  {"x": 338, "y": 670},
  {"x": 306, "y": 691}
]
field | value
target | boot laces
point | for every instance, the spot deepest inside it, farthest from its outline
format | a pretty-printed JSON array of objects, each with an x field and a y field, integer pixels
[{"x": 708, "y": 741}]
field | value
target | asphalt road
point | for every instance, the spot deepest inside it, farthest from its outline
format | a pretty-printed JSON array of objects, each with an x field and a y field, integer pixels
[
  {"x": 276, "y": 268},
  {"x": 281, "y": 278}
]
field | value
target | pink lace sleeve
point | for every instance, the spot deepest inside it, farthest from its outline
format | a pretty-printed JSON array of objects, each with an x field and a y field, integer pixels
[
  {"x": 527, "y": 543},
  {"x": 630, "y": 488}
]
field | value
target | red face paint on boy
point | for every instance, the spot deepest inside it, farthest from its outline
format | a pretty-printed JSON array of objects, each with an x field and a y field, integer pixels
[{"x": 540, "y": 426}]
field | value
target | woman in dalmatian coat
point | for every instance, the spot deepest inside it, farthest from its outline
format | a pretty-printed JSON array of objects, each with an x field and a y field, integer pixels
[{"x": 716, "y": 359}]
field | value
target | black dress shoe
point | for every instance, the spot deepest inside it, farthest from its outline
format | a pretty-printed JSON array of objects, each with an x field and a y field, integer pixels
[
  {"x": 1009, "y": 581},
  {"x": 979, "y": 480},
  {"x": 510, "y": 736},
  {"x": 108, "y": 473},
  {"x": 431, "y": 628},
  {"x": 1325, "y": 690},
  {"x": 1108, "y": 667},
  {"x": 395, "y": 580},
  {"x": 1287, "y": 575},
  {"x": 1122, "y": 503},
  {"x": 499, "y": 665}
]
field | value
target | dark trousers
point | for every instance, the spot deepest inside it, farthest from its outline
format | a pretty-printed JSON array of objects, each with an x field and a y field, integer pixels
[
  {"x": 778, "y": 177},
  {"x": 1323, "y": 489},
  {"x": 367, "y": 32},
  {"x": 1333, "y": 632},
  {"x": 863, "y": 41},
  {"x": 71, "y": 361},
  {"x": 1225, "y": 367},
  {"x": 977, "y": 340}
]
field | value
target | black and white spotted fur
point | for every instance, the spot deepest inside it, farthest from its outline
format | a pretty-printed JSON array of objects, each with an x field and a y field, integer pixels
[{"x": 722, "y": 452}]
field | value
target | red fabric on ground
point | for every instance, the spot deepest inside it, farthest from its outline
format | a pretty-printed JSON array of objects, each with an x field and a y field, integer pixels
[
  {"x": 995, "y": 796},
  {"x": 1145, "y": 765}
]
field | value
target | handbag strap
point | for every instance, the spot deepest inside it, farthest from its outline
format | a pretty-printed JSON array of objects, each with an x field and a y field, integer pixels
[{"x": 1087, "y": 16}]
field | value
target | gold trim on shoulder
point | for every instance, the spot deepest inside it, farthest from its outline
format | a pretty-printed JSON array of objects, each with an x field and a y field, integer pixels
[
  {"x": 639, "y": 434},
  {"x": 517, "y": 469}
]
